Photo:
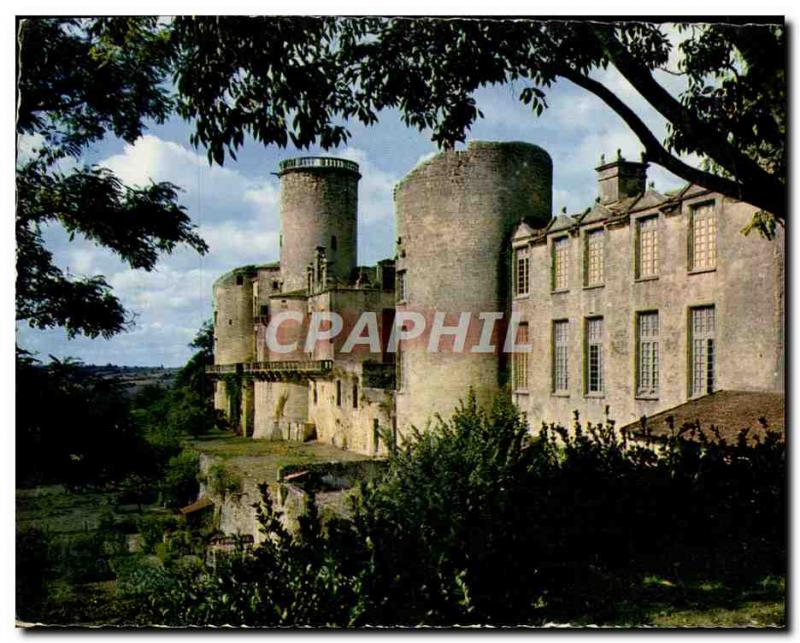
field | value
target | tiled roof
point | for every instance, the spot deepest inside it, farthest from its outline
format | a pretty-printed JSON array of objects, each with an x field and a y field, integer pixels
[
  {"x": 650, "y": 199},
  {"x": 198, "y": 505},
  {"x": 561, "y": 222},
  {"x": 598, "y": 212},
  {"x": 727, "y": 411}
]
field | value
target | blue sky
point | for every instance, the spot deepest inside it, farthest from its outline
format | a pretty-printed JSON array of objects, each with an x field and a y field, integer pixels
[{"x": 236, "y": 206}]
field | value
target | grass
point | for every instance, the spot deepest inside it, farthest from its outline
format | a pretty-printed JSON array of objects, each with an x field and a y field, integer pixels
[
  {"x": 664, "y": 603},
  {"x": 260, "y": 460}
]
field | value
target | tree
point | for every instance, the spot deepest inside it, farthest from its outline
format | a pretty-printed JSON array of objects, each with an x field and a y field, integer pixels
[
  {"x": 309, "y": 76},
  {"x": 80, "y": 80},
  {"x": 300, "y": 80}
]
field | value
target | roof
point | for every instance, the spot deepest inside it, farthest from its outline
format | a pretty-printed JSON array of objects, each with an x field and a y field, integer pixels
[
  {"x": 727, "y": 411},
  {"x": 561, "y": 222},
  {"x": 598, "y": 212},
  {"x": 249, "y": 269},
  {"x": 203, "y": 502},
  {"x": 649, "y": 199}
]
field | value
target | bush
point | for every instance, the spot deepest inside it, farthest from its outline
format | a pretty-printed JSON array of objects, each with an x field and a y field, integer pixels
[
  {"x": 179, "y": 484},
  {"x": 153, "y": 530},
  {"x": 474, "y": 522},
  {"x": 221, "y": 481}
]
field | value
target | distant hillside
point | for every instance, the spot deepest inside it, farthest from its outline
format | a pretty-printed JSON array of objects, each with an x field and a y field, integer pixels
[{"x": 134, "y": 378}]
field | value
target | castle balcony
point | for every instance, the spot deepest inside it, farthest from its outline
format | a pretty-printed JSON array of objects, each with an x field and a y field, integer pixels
[
  {"x": 275, "y": 371},
  {"x": 288, "y": 370},
  {"x": 223, "y": 369}
]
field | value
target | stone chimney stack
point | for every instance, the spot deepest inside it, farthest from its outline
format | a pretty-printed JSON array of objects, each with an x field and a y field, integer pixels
[{"x": 620, "y": 179}]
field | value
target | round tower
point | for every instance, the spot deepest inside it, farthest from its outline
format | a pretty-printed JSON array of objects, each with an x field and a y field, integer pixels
[
  {"x": 455, "y": 215},
  {"x": 234, "y": 338},
  {"x": 319, "y": 204}
]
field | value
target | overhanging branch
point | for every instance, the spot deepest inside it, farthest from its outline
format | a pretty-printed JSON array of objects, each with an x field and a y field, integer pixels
[
  {"x": 757, "y": 195},
  {"x": 709, "y": 142}
]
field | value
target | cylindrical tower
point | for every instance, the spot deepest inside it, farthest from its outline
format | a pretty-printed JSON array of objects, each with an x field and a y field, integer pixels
[
  {"x": 455, "y": 215},
  {"x": 319, "y": 203},
  {"x": 234, "y": 336}
]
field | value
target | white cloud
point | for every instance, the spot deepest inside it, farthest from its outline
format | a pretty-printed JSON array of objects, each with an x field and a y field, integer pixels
[
  {"x": 236, "y": 214},
  {"x": 210, "y": 192},
  {"x": 375, "y": 187}
]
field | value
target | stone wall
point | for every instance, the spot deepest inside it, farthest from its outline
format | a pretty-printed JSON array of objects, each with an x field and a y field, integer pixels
[
  {"x": 354, "y": 423},
  {"x": 455, "y": 214},
  {"x": 281, "y": 410},
  {"x": 746, "y": 288},
  {"x": 317, "y": 204},
  {"x": 331, "y": 482}
]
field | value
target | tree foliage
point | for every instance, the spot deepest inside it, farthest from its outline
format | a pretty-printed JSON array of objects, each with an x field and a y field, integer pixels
[
  {"x": 73, "y": 426},
  {"x": 304, "y": 82},
  {"x": 300, "y": 80},
  {"x": 475, "y": 523},
  {"x": 79, "y": 81}
]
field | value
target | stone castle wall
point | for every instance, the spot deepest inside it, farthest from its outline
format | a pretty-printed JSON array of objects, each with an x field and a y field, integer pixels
[
  {"x": 455, "y": 214},
  {"x": 318, "y": 204},
  {"x": 745, "y": 289}
]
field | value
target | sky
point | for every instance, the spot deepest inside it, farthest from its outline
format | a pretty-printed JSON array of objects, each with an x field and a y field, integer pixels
[{"x": 235, "y": 207}]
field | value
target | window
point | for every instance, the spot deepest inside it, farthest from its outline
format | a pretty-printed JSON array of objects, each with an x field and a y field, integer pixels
[
  {"x": 594, "y": 355},
  {"x": 401, "y": 285},
  {"x": 338, "y": 392},
  {"x": 594, "y": 260},
  {"x": 702, "y": 350},
  {"x": 647, "y": 248},
  {"x": 560, "y": 263},
  {"x": 519, "y": 361},
  {"x": 333, "y": 242},
  {"x": 647, "y": 354},
  {"x": 521, "y": 271},
  {"x": 239, "y": 280},
  {"x": 560, "y": 346},
  {"x": 355, "y": 394},
  {"x": 314, "y": 391},
  {"x": 703, "y": 247}
]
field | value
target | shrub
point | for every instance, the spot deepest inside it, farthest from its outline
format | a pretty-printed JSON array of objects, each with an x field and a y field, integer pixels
[
  {"x": 475, "y": 522},
  {"x": 221, "y": 481},
  {"x": 179, "y": 484}
]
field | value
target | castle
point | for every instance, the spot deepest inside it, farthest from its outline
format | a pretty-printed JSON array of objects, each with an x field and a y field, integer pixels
[{"x": 637, "y": 304}]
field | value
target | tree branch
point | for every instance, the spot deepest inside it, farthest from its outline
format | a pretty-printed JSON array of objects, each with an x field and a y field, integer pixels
[
  {"x": 709, "y": 141},
  {"x": 656, "y": 152}
]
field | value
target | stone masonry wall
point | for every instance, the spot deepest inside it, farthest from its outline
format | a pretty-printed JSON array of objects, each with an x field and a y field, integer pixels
[
  {"x": 317, "y": 204},
  {"x": 455, "y": 214},
  {"x": 745, "y": 288}
]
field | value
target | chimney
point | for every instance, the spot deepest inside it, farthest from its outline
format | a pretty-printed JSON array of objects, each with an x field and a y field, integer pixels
[{"x": 620, "y": 179}]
